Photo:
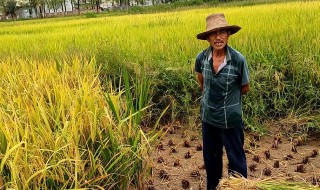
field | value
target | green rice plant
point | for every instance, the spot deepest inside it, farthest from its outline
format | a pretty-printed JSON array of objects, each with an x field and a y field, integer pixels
[
  {"x": 3, "y": 143},
  {"x": 70, "y": 123},
  {"x": 272, "y": 185}
]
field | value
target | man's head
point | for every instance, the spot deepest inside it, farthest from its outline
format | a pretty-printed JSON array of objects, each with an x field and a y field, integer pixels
[
  {"x": 219, "y": 39},
  {"x": 217, "y": 31}
]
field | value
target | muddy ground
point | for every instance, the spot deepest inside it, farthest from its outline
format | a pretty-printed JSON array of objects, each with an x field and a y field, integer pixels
[{"x": 177, "y": 161}]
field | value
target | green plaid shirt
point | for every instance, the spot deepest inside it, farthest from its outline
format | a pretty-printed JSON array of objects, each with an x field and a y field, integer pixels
[{"x": 221, "y": 103}]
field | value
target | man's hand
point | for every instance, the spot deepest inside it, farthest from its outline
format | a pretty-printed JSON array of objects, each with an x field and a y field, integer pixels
[
  {"x": 244, "y": 89},
  {"x": 200, "y": 80}
]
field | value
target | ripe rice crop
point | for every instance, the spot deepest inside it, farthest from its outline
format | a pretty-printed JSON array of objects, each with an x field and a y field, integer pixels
[
  {"x": 280, "y": 42},
  {"x": 60, "y": 130},
  {"x": 70, "y": 115}
]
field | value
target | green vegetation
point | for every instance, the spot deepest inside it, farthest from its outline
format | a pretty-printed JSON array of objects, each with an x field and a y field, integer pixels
[
  {"x": 74, "y": 92},
  {"x": 8, "y": 7},
  {"x": 279, "y": 49},
  {"x": 274, "y": 185}
]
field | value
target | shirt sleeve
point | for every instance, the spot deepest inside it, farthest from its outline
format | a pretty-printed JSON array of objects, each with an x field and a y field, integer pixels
[
  {"x": 244, "y": 73},
  {"x": 198, "y": 63}
]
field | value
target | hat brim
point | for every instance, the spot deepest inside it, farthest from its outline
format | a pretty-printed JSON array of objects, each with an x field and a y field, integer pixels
[{"x": 204, "y": 35}]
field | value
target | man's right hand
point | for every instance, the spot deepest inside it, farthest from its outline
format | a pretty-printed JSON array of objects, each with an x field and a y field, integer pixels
[{"x": 200, "y": 80}]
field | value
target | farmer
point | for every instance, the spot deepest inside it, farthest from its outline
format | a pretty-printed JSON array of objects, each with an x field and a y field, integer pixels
[{"x": 223, "y": 76}]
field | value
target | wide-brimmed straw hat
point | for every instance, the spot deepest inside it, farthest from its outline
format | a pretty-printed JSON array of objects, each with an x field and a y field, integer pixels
[{"x": 217, "y": 22}]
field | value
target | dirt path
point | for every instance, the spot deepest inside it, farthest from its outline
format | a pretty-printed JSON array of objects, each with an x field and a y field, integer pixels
[{"x": 178, "y": 164}]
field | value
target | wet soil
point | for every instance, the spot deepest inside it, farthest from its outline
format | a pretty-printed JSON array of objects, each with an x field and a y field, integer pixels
[{"x": 177, "y": 161}]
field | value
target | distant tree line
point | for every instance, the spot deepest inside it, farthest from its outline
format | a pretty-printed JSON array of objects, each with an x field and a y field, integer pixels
[
  {"x": 8, "y": 7},
  {"x": 40, "y": 8}
]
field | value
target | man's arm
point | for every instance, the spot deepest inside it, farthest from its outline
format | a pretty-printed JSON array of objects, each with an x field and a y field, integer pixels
[
  {"x": 200, "y": 80},
  {"x": 245, "y": 88},
  {"x": 244, "y": 77}
]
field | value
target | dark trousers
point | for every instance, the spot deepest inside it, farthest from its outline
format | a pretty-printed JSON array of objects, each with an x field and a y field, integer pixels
[{"x": 214, "y": 139}]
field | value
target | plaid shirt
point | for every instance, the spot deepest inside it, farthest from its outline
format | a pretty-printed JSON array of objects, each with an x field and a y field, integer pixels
[{"x": 221, "y": 103}]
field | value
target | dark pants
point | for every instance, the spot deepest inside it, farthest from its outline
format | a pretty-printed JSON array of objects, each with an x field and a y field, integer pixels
[{"x": 214, "y": 139}]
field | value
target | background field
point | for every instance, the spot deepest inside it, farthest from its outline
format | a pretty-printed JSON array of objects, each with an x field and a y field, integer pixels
[{"x": 70, "y": 85}]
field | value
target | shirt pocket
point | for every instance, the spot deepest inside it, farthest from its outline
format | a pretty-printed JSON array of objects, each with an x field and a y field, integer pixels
[{"x": 229, "y": 78}]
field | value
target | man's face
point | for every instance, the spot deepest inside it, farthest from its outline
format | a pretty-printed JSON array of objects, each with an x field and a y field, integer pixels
[{"x": 219, "y": 39}]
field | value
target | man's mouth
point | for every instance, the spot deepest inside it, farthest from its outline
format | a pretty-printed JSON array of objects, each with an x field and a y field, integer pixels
[{"x": 219, "y": 43}]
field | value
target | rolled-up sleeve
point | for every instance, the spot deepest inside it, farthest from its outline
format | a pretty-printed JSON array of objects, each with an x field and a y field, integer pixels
[
  {"x": 244, "y": 72},
  {"x": 198, "y": 63}
]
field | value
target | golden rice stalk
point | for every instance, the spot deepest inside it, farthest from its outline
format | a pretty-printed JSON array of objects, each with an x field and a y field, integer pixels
[
  {"x": 277, "y": 182},
  {"x": 237, "y": 183}
]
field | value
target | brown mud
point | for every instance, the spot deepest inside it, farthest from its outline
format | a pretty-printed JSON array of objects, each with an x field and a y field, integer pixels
[{"x": 177, "y": 161}]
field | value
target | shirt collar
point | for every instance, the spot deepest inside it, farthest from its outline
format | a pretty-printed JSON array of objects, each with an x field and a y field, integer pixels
[
  {"x": 222, "y": 64},
  {"x": 228, "y": 57},
  {"x": 209, "y": 53}
]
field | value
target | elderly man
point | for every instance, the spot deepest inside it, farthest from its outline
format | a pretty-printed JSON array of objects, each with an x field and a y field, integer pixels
[{"x": 223, "y": 77}]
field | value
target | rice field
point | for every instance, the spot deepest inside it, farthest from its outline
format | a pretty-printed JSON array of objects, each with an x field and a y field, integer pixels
[{"x": 75, "y": 92}]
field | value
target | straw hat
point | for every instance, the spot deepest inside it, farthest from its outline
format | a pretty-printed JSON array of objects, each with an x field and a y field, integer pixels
[{"x": 217, "y": 22}]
